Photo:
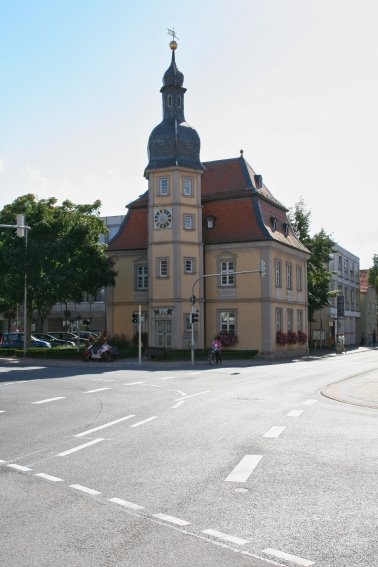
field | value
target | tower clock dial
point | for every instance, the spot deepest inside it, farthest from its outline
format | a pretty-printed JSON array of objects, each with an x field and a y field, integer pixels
[{"x": 163, "y": 218}]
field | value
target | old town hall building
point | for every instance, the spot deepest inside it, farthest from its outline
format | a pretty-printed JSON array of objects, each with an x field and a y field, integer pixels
[{"x": 205, "y": 229}]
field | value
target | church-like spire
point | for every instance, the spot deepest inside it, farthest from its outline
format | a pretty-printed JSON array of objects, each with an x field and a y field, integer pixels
[{"x": 173, "y": 142}]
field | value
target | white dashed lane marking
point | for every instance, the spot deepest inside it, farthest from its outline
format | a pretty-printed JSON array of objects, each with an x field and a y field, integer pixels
[
  {"x": 244, "y": 469},
  {"x": 275, "y": 431},
  {"x": 292, "y": 558},
  {"x": 126, "y": 504},
  {"x": 104, "y": 426},
  {"x": 84, "y": 489},
  {"x": 225, "y": 537},
  {"x": 192, "y": 396},
  {"x": 177, "y": 405},
  {"x": 19, "y": 467},
  {"x": 50, "y": 400},
  {"x": 49, "y": 477},
  {"x": 295, "y": 413},
  {"x": 171, "y": 519},
  {"x": 309, "y": 402},
  {"x": 97, "y": 390},
  {"x": 79, "y": 448}
]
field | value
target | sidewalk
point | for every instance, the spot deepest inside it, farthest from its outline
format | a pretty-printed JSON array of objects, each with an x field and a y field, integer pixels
[{"x": 360, "y": 390}]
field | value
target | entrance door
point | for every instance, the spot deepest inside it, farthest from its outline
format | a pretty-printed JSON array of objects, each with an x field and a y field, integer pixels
[{"x": 164, "y": 334}]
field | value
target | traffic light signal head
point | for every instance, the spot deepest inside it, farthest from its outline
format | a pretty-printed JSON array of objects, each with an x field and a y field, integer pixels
[
  {"x": 135, "y": 318},
  {"x": 194, "y": 318}
]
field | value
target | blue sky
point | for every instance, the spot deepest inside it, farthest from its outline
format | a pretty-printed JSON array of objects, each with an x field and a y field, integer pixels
[{"x": 294, "y": 83}]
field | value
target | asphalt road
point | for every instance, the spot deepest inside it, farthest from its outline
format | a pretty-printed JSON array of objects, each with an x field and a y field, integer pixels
[{"x": 163, "y": 465}]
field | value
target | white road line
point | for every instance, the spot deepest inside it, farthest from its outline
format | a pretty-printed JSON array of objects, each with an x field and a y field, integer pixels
[
  {"x": 49, "y": 477},
  {"x": 19, "y": 468},
  {"x": 78, "y": 448},
  {"x": 168, "y": 377},
  {"x": 50, "y": 400},
  {"x": 177, "y": 405},
  {"x": 309, "y": 402},
  {"x": 180, "y": 392},
  {"x": 295, "y": 413},
  {"x": 288, "y": 557},
  {"x": 2, "y": 411},
  {"x": 104, "y": 426},
  {"x": 98, "y": 390},
  {"x": 192, "y": 395},
  {"x": 275, "y": 431},
  {"x": 84, "y": 489},
  {"x": 171, "y": 519},
  {"x": 126, "y": 504},
  {"x": 244, "y": 469},
  {"x": 133, "y": 383},
  {"x": 144, "y": 421},
  {"x": 1, "y": 461},
  {"x": 225, "y": 537}
]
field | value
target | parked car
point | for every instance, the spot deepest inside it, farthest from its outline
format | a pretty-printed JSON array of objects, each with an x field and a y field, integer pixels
[
  {"x": 55, "y": 342},
  {"x": 16, "y": 340},
  {"x": 65, "y": 335}
]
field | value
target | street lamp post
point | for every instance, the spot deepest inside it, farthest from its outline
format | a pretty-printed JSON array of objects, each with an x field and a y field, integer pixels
[{"x": 22, "y": 229}]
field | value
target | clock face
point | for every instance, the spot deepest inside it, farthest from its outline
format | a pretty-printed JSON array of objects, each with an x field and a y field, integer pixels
[{"x": 163, "y": 218}]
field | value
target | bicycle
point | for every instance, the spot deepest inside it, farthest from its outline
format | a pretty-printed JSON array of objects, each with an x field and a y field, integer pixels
[{"x": 211, "y": 357}]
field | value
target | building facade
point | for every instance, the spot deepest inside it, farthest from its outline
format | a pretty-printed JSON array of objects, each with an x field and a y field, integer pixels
[
  {"x": 197, "y": 239},
  {"x": 368, "y": 309},
  {"x": 345, "y": 268}
]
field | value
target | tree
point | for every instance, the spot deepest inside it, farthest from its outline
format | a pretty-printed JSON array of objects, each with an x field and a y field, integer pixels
[
  {"x": 373, "y": 273},
  {"x": 61, "y": 256},
  {"x": 321, "y": 246}
]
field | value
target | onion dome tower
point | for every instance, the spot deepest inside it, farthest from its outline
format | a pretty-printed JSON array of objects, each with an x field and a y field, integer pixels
[{"x": 173, "y": 142}]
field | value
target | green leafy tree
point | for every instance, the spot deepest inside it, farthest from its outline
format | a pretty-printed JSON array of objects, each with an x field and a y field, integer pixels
[
  {"x": 321, "y": 246},
  {"x": 373, "y": 273},
  {"x": 61, "y": 256}
]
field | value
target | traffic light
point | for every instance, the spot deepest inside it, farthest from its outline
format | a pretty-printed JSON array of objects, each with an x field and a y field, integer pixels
[
  {"x": 194, "y": 318},
  {"x": 135, "y": 318}
]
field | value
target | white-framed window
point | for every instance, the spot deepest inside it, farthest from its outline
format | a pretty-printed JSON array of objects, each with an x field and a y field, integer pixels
[
  {"x": 141, "y": 276},
  {"x": 289, "y": 276},
  {"x": 189, "y": 265},
  {"x": 299, "y": 278},
  {"x": 278, "y": 318},
  {"x": 98, "y": 297},
  {"x": 290, "y": 320},
  {"x": 227, "y": 279},
  {"x": 188, "y": 222},
  {"x": 188, "y": 187},
  {"x": 163, "y": 268},
  {"x": 228, "y": 321},
  {"x": 300, "y": 320},
  {"x": 278, "y": 273},
  {"x": 163, "y": 186},
  {"x": 187, "y": 323}
]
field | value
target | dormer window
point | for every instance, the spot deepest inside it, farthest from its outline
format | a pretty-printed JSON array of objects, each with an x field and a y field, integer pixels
[
  {"x": 169, "y": 101},
  {"x": 286, "y": 228},
  {"x": 258, "y": 181},
  {"x": 273, "y": 221}
]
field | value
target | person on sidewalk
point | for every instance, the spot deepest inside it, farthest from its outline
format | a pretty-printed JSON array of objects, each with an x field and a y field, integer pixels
[{"x": 217, "y": 348}]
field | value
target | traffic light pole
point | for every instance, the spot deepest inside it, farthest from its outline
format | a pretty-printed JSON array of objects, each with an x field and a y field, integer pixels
[
  {"x": 140, "y": 334},
  {"x": 193, "y": 299}
]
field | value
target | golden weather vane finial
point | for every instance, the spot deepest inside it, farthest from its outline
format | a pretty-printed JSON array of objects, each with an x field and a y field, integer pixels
[{"x": 172, "y": 33}]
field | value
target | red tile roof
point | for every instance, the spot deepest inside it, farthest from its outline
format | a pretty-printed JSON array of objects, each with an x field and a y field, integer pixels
[{"x": 242, "y": 211}]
